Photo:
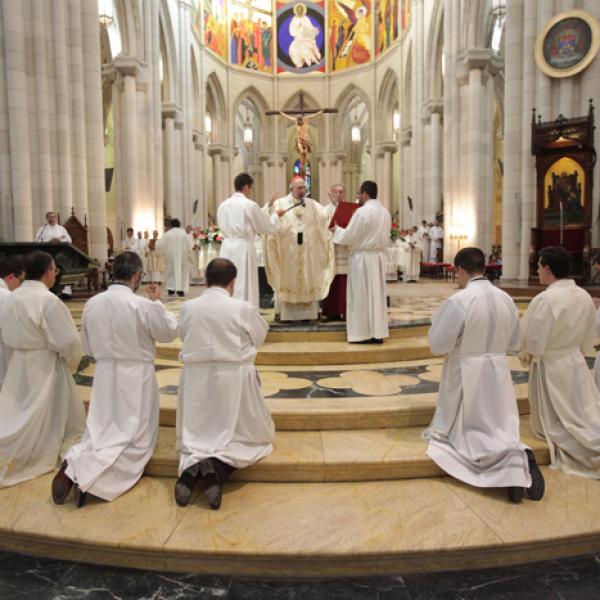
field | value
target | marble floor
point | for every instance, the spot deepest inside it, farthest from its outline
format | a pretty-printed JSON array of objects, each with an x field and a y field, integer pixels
[{"x": 23, "y": 576}]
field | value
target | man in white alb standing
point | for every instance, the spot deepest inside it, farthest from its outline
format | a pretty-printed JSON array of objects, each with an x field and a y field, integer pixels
[
  {"x": 436, "y": 235},
  {"x": 241, "y": 220},
  {"x": 367, "y": 237},
  {"x": 119, "y": 329},
  {"x": 175, "y": 246}
]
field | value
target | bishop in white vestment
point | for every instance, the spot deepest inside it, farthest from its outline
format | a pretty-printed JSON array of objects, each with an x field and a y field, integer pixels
[
  {"x": 557, "y": 329},
  {"x": 299, "y": 257},
  {"x": 12, "y": 273},
  {"x": 175, "y": 247},
  {"x": 474, "y": 434},
  {"x": 367, "y": 237},
  {"x": 119, "y": 330},
  {"x": 41, "y": 413},
  {"x": 241, "y": 220},
  {"x": 222, "y": 420}
]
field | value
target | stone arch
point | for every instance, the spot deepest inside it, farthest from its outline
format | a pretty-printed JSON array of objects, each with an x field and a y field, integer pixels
[
  {"x": 434, "y": 83},
  {"x": 406, "y": 104},
  {"x": 265, "y": 123},
  {"x": 168, "y": 54},
  {"x": 389, "y": 95},
  {"x": 215, "y": 105}
]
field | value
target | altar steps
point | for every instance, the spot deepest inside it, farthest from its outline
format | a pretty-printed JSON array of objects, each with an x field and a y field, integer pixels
[
  {"x": 336, "y": 455},
  {"x": 308, "y": 529},
  {"x": 365, "y": 412}
]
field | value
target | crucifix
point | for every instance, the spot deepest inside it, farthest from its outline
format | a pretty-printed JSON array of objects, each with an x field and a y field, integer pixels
[{"x": 301, "y": 117}]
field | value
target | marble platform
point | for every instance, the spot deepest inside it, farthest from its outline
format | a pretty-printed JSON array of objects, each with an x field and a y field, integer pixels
[{"x": 348, "y": 490}]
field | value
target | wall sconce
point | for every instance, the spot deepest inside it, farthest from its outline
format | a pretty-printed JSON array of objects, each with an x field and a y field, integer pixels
[
  {"x": 355, "y": 131},
  {"x": 208, "y": 127},
  {"x": 105, "y": 12},
  {"x": 248, "y": 131}
]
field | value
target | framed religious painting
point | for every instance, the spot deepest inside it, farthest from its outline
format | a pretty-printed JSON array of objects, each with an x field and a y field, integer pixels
[{"x": 568, "y": 43}]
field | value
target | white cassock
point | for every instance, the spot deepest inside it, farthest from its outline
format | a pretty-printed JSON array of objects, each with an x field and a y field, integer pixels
[
  {"x": 175, "y": 246},
  {"x": 557, "y": 328},
  {"x": 300, "y": 274},
  {"x": 41, "y": 413},
  {"x": 303, "y": 50},
  {"x": 474, "y": 434},
  {"x": 4, "y": 293},
  {"x": 241, "y": 220},
  {"x": 436, "y": 235},
  {"x": 413, "y": 257},
  {"x": 221, "y": 411},
  {"x": 423, "y": 235},
  {"x": 119, "y": 329},
  {"x": 47, "y": 233},
  {"x": 367, "y": 237},
  {"x": 129, "y": 244},
  {"x": 141, "y": 246}
]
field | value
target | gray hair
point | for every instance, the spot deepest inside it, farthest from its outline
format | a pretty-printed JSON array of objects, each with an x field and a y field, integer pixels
[
  {"x": 334, "y": 185},
  {"x": 126, "y": 265}
]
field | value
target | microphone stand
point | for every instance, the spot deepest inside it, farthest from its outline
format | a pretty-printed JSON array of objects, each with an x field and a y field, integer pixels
[{"x": 39, "y": 237}]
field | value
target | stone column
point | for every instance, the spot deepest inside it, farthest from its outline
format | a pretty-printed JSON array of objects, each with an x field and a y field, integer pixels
[
  {"x": 386, "y": 151},
  {"x": 128, "y": 161},
  {"x": 14, "y": 35},
  {"x": 169, "y": 113},
  {"x": 434, "y": 108},
  {"x": 94, "y": 133},
  {"x": 511, "y": 229}
]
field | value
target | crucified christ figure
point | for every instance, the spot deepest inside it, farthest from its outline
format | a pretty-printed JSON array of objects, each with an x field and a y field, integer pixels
[{"x": 303, "y": 144}]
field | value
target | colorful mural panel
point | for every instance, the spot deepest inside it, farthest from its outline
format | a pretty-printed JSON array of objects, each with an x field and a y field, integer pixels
[
  {"x": 215, "y": 27},
  {"x": 349, "y": 33},
  {"x": 300, "y": 37},
  {"x": 406, "y": 14},
  {"x": 251, "y": 34},
  {"x": 386, "y": 27}
]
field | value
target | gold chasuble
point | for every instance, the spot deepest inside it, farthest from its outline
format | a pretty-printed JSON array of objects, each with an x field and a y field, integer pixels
[{"x": 300, "y": 258}]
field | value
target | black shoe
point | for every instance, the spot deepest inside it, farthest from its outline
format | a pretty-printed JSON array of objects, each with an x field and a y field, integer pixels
[
  {"x": 538, "y": 486},
  {"x": 516, "y": 494},
  {"x": 212, "y": 486},
  {"x": 61, "y": 485},
  {"x": 376, "y": 341},
  {"x": 181, "y": 294},
  {"x": 170, "y": 292},
  {"x": 80, "y": 497},
  {"x": 186, "y": 483}
]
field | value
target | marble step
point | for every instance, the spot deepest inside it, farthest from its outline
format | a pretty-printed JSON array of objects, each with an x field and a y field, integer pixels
[
  {"x": 308, "y": 529},
  {"x": 337, "y": 455},
  {"x": 374, "y": 412},
  {"x": 326, "y": 353}
]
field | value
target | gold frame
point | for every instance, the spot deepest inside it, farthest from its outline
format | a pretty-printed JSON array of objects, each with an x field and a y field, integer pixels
[{"x": 594, "y": 26}]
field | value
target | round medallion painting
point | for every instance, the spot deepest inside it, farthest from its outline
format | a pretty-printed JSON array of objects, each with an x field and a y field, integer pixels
[{"x": 568, "y": 44}]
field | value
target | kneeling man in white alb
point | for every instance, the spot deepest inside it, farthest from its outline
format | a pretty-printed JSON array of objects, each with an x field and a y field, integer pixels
[
  {"x": 119, "y": 329},
  {"x": 474, "y": 435},
  {"x": 222, "y": 421}
]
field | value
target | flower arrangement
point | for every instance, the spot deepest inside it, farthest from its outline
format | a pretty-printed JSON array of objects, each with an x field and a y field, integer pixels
[
  {"x": 210, "y": 235},
  {"x": 396, "y": 234}
]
